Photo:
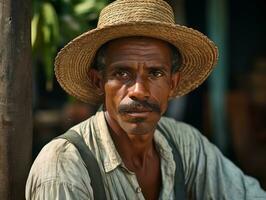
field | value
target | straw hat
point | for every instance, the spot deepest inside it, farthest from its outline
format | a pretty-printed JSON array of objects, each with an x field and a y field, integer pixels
[{"x": 125, "y": 18}]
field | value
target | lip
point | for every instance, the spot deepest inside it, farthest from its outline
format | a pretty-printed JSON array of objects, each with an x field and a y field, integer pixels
[{"x": 141, "y": 114}]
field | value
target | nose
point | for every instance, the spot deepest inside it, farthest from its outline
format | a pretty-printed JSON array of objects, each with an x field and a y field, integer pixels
[{"x": 139, "y": 90}]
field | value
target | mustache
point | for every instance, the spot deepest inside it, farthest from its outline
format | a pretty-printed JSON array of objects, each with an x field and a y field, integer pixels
[{"x": 137, "y": 105}]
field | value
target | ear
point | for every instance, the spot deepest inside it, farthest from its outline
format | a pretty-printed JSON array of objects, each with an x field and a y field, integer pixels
[
  {"x": 175, "y": 77},
  {"x": 96, "y": 80}
]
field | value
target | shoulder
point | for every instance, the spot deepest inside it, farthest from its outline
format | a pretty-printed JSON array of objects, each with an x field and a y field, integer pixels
[
  {"x": 180, "y": 132},
  {"x": 58, "y": 165},
  {"x": 176, "y": 126},
  {"x": 60, "y": 169},
  {"x": 59, "y": 155},
  {"x": 188, "y": 140},
  {"x": 207, "y": 171},
  {"x": 190, "y": 143}
]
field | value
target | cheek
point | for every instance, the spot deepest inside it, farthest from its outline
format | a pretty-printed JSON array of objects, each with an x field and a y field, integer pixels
[
  {"x": 160, "y": 92},
  {"x": 113, "y": 94}
]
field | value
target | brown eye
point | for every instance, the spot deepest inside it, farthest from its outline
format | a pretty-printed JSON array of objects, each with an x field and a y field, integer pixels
[
  {"x": 156, "y": 73},
  {"x": 122, "y": 74}
]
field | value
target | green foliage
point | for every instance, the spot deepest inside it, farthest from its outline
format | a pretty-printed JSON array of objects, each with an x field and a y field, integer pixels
[{"x": 55, "y": 22}]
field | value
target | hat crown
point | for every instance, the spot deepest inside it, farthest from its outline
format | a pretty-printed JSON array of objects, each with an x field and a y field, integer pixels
[{"x": 126, "y": 11}]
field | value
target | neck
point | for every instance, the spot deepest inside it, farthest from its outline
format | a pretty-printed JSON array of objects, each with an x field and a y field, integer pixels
[{"x": 133, "y": 149}]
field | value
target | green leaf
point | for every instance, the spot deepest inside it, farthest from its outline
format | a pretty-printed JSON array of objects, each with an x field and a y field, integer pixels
[
  {"x": 56, "y": 22},
  {"x": 34, "y": 28},
  {"x": 84, "y": 7},
  {"x": 50, "y": 23}
]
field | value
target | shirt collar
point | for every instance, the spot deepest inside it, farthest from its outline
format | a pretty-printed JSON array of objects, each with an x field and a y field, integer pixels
[{"x": 109, "y": 154}]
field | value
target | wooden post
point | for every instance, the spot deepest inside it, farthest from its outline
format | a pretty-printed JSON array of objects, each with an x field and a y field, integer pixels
[{"x": 15, "y": 97}]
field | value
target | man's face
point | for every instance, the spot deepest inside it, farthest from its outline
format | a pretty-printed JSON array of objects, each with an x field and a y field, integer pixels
[{"x": 137, "y": 83}]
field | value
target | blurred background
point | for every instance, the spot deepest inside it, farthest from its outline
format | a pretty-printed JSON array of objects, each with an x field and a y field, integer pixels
[{"x": 229, "y": 108}]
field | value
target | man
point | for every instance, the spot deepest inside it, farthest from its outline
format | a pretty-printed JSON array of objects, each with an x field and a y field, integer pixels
[{"x": 133, "y": 63}]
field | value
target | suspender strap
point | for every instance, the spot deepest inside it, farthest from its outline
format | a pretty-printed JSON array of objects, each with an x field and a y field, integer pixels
[
  {"x": 179, "y": 188},
  {"x": 180, "y": 192},
  {"x": 94, "y": 170},
  {"x": 91, "y": 163}
]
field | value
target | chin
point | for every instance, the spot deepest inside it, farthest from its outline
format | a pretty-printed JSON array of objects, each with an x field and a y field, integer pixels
[
  {"x": 138, "y": 131},
  {"x": 138, "y": 127}
]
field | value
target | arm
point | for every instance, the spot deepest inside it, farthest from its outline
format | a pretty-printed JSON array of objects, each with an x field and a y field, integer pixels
[{"x": 209, "y": 175}]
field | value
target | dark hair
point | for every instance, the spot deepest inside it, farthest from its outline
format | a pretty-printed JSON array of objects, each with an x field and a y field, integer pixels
[
  {"x": 176, "y": 58},
  {"x": 99, "y": 61}
]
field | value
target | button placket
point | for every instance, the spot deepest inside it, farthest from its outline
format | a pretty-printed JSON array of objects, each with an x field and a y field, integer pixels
[{"x": 138, "y": 189}]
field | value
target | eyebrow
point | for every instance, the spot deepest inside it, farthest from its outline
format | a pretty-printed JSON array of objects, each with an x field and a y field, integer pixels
[
  {"x": 119, "y": 66},
  {"x": 159, "y": 67},
  {"x": 126, "y": 66}
]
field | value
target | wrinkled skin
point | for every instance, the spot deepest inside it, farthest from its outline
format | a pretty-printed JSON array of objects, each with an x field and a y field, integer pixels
[
  {"x": 138, "y": 70},
  {"x": 137, "y": 83}
]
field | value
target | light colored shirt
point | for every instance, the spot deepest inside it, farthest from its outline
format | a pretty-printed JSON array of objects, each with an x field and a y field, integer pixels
[{"x": 59, "y": 172}]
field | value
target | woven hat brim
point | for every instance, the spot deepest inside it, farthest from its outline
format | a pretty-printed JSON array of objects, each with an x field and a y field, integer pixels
[{"x": 199, "y": 56}]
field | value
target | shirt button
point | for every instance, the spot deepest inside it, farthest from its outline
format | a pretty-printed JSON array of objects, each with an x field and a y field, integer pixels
[{"x": 138, "y": 190}]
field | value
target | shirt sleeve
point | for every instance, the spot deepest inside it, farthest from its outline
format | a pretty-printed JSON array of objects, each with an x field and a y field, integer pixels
[
  {"x": 58, "y": 191},
  {"x": 210, "y": 175}
]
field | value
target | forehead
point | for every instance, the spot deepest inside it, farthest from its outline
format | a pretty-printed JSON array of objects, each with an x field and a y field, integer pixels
[{"x": 138, "y": 48}]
